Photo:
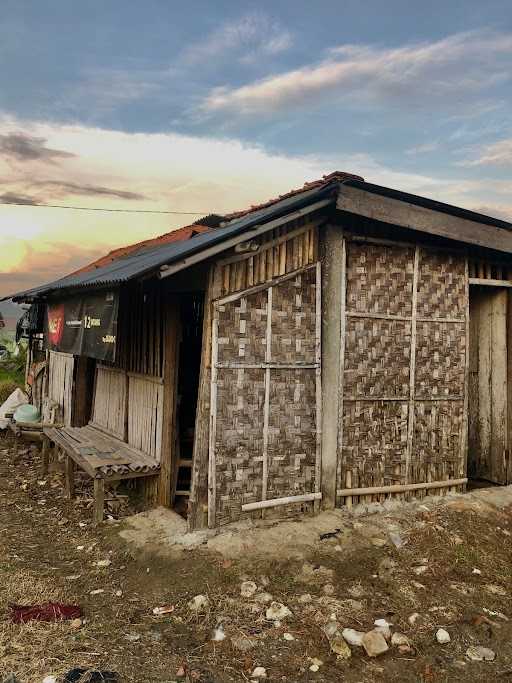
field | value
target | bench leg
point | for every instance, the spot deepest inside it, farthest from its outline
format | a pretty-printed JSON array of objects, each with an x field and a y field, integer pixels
[
  {"x": 45, "y": 456},
  {"x": 70, "y": 478},
  {"x": 99, "y": 500}
]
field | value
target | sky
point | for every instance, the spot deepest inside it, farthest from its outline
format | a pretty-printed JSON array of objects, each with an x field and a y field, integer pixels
[{"x": 205, "y": 107}]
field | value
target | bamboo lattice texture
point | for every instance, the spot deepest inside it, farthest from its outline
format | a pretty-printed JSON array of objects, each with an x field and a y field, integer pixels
[
  {"x": 374, "y": 449},
  {"x": 248, "y": 466}
]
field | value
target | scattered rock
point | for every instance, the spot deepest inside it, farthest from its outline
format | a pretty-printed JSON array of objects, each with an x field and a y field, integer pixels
[
  {"x": 165, "y": 609},
  {"x": 98, "y": 591},
  {"x": 353, "y": 637},
  {"x": 288, "y": 636},
  {"x": 421, "y": 569},
  {"x": 400, "y": 640},
  {"x": 248, "y": 589},
  {"x": 277, "y": 612},
  {"x": 374, "y": 643},
  {"x": 264, "y": 598},
  {"x": 132, "y": 637},
  {"x": 315, "y": 664},
  {"x": 476, "y": 571},
  {"x": 305, "y": 598},
  {"x": 259, "y": 672},
  {"x": 478, "y": 653},
  {"x": 383, "y": 627},
  {"x": 495, "y": 589},
  {"x": 199, "y": 603},
  {"x": 75, "y": 624},
  {"x": 218, "y": 634},
  {"x": 243, "y": 643},
  {"x": 378, "y": 542},
  {"x": 340, "y": 647},
  {"x": 356, "y": 591},
  {"x": 442, "y": 636},
  {"x": 397, "y": 540},
  {"x": 181, "y": 672},
  {"x": 50, "y": 679},
  {"x": 103, "y": 563}
]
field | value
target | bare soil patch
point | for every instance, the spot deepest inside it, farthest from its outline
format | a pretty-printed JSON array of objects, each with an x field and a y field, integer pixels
[{"x": 49, "y": 550}]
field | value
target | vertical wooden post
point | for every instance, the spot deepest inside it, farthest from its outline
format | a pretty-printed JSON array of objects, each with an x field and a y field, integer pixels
[
  {"x": 266, "y": 405},
  {"x": 198, "y": 501},
  {"x": 332, "y": 335},
  {"x": 412, "y": 367},
  {"x": 99, "y": 500},
  {"x": 70, "y": 477},
  {"x": 212, "y": 483},
  {"x": 44, "y": 455},
  {"x": 462, "y": 473},
  {"x": 170, "y": 375},
  {"x": 509, "y": 389},
  {"x": 318, "y": 382}
]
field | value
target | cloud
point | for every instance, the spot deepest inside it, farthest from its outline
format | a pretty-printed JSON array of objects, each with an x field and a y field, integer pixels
[
  {"x": 62, "y": 188},
  {"x": 503, "y": 212},
  {"x": 422, "y": 149},
  {"x": 253, "y": 35},
  {"x": 496, "y": 154},
  {"x": 13, "y": 198},
  {"x": 172, "y": 172},
  {"x": 413, "y": 75},
  {"x": 36, "y": 267},
  {"x": 23, "y": 147}
]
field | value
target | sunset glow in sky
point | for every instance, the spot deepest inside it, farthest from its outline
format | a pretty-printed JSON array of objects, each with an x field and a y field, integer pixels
[{"x": 212, "y": 107}]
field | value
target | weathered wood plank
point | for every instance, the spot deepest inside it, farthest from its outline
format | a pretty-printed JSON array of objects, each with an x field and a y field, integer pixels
[{"x": 415, "y": 217}]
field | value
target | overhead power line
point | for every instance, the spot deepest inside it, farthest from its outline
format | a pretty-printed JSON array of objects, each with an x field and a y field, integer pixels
[{"x": 89, "y": 208}]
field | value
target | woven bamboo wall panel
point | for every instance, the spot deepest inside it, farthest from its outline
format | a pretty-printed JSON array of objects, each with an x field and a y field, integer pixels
[
  {"x": 377, "y": 358},
  {"x": 379, "y": 279},
  {"x": 294, "y": 319},
  {"x": 61, "y": 383},
  {"x": 243, "y": 329},
  {"x": 440, "y": 359},
  {"x": 374, "y": 441},
  {"x": 436, "y": 452},
  {"x": 239, "y": 442},
  {"x": 292, "y": 433},
  {"x": 441, "y": 285}
]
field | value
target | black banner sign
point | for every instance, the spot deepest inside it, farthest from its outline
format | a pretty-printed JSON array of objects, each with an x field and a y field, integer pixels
[{"x": 85, "y": 325}]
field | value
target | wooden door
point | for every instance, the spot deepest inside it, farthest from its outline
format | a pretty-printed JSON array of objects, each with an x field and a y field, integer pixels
[
  {"x": 266, "y": 398},
  {"x": 488, "y": 425}
]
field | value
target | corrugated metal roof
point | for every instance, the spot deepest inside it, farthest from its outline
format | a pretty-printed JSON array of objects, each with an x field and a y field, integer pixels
[
  {"x": 151, "y": 258},
  {"x": 134, "y": 261}
]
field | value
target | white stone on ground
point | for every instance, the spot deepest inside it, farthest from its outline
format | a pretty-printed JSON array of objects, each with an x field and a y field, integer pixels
[{"x": 442, "y": 636}]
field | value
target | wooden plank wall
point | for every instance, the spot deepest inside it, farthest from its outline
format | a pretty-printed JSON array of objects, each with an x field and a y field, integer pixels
[
  {"x": 110, "y": 406},
  {"x": 140, "y": 335},
  {"x": 60, "y": 384},
  {"x": 145, "y": 403},
  {"x": 280, "y": 251}
]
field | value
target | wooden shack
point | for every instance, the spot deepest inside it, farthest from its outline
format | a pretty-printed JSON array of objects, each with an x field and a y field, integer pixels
[{"x": 341, "y": 344}]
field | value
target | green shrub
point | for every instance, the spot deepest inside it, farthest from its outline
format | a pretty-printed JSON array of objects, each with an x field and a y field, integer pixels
[{"x": 7, "y": 386}]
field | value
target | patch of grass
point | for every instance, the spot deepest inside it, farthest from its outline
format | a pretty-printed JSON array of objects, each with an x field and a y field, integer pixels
[{"x": 7, "y": 386}]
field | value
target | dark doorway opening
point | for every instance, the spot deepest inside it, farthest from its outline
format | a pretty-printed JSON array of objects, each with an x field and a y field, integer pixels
[
  {"x": 191, "y": 318},
  {"x": 489, "y": 387}
]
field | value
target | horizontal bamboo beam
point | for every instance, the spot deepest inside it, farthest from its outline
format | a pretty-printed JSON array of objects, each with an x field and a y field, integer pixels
[
  {"x": 489, "y": 283},
  {"x": 400, "y": 488},
  {"x": 275, "y": 502}
]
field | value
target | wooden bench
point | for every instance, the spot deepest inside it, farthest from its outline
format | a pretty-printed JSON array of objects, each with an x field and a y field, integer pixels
[{"x": 103, "y": 457}]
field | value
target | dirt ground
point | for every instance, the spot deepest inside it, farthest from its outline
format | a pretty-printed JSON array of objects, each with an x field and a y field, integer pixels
[{"x": 49, "y": 550}]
